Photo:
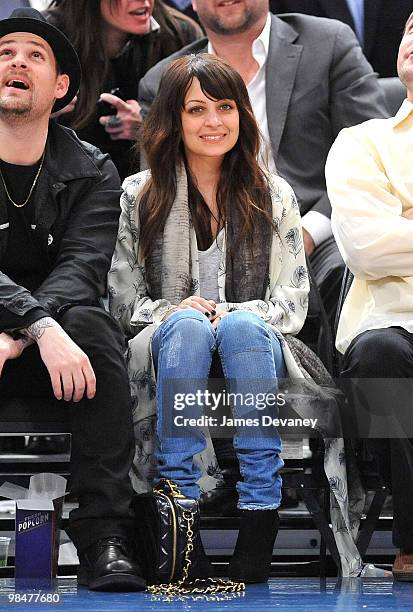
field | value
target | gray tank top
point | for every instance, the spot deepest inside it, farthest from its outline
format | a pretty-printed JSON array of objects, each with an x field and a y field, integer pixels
[{"x": 209, "y": 261}]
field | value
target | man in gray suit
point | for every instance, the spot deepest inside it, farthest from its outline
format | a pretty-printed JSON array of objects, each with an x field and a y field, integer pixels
[
  {"x": 307, "y": 79},
  {"x": 378, "y": 24}
]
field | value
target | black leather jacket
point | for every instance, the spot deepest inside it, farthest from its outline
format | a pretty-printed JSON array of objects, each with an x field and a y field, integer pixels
[{"x": 76, "y": 203}]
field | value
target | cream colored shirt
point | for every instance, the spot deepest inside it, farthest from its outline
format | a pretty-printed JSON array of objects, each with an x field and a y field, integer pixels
[{"x": 369, "y": 175}]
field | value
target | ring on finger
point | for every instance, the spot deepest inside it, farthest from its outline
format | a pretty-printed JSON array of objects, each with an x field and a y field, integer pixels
[{"x": 114, "y": 121}]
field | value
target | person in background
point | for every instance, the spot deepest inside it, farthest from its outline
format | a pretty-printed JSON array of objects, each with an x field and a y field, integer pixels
[
  {"x": 117, "y": 41},
  {"x": 369, "y": 178},
  {"x": 59, "y": 211},
  {"x": 378, "y": 24},
  {"x": 207, "y": 266}
]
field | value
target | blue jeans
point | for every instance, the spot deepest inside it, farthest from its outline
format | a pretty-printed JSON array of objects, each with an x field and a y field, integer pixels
[{"x": 251, "y": 359}]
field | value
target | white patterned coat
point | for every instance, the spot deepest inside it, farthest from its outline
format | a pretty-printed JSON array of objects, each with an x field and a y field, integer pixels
[{"x": 284, "y": 310}]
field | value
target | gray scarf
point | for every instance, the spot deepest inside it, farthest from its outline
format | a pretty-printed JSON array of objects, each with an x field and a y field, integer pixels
[{"x": 168, "y": 268}]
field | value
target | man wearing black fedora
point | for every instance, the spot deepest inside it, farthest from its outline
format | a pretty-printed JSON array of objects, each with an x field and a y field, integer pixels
[{"x": 58, "y": 223}]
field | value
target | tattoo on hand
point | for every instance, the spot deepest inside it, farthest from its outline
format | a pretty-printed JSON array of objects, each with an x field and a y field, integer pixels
[{"x": 36, "y": 330}]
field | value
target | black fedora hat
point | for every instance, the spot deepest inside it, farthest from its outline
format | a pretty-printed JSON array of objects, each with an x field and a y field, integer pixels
[{"x": 30, "y": 20}]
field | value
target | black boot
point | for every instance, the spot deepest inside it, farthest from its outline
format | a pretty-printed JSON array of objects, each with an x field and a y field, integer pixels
[
  {"x": 108, "y": 566},
  {"x": 223, "y": 500},
  {"x": 251, "y": 561}
]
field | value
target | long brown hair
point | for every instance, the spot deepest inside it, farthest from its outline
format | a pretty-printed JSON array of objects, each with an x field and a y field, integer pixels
[
  {"x": 82, "y": 23},
  {"x": 242, "y": 190}
]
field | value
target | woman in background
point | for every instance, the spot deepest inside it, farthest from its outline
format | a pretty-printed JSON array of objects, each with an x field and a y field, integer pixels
[
  {"x": 117, "y": 41},
  {"x": 210, "y": 262}
]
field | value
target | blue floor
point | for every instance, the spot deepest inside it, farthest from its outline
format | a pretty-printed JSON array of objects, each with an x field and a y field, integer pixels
[{"x": 281, "y": 594}]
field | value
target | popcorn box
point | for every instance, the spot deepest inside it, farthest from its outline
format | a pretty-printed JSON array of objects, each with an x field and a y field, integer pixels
[
  {"x": 38, "y": 515},
  {"x": 37, "y": 538}
]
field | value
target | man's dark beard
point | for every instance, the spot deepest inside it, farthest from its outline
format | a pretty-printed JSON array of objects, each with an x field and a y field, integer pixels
[
  {"x": 214, "y": 24},
  {"x": 14, "y": 112}
]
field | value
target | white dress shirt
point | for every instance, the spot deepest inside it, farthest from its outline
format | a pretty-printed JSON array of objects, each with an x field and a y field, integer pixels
[{"x": 369, "y": 175}]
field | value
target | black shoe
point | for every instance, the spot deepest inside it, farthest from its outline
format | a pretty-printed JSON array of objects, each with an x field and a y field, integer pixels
[
  {"x": 106, "y": 566},
  {"x": 223, "y": 500},
  {"x": 253, "y": 551}
]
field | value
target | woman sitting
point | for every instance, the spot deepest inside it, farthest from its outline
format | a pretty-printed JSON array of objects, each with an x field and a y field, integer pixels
[{"x": 210, "y": 260}]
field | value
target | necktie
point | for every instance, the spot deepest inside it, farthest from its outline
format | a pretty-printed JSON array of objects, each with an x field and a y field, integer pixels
[{"x": 356, "y": 8}]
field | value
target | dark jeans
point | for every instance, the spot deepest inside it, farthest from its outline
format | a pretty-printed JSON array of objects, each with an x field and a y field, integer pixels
[
  {"x": 102, "y": 434},
  {"x": 386, "y": 354}
]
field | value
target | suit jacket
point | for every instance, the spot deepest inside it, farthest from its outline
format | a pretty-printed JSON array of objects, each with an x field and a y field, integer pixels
[
  {"x": 317, "y": 82},
  {"x": 383, "y": 25}
]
